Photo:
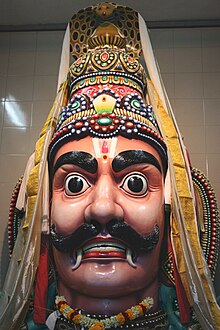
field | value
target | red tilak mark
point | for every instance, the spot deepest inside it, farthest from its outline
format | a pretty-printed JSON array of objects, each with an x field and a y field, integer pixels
[{"x": 105, "y": 147}]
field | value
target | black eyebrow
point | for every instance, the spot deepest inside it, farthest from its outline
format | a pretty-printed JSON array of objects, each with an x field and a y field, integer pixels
[
  {"x": 81, "y": 159},
  {"x": 133, "y": 157}
]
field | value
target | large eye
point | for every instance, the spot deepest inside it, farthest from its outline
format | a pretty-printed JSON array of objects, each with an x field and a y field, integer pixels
[
  {"x": 135, "y": 184},
  {"x": 75, "y": 184}
]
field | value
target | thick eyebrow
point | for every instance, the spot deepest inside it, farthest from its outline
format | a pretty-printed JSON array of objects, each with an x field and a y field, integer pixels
[
  {"x": 132, "y": 157},
  {"x": 81, "y": 159}
]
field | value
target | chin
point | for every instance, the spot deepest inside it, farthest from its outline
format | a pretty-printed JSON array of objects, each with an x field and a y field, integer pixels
[{"x": 108, "y": 278}]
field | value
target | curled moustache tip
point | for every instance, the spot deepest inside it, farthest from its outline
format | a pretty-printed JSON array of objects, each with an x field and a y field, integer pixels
[
  {"x": 129, "y": 258},
  {"x": 78, "y": 259}
]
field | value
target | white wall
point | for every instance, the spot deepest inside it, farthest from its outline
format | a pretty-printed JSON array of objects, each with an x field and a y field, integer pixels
[{"x": 190, "y": 65}]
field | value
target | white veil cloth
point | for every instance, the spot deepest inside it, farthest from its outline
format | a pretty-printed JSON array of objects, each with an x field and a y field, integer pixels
[{"x": 34, "y": 199}]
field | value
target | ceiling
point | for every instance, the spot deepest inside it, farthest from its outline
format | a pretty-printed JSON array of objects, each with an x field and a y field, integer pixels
[{"x": 58, "y": 12}]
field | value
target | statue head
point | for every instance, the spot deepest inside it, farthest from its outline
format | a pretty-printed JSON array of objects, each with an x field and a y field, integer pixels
[
  {"x": 107, "y": 164},
  {"x": 98, "y": 189}
]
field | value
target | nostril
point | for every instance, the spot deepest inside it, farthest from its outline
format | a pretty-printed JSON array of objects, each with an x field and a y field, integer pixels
[
  {"x": 97, "y": 225},
  {"x": 105, "y": 228}
]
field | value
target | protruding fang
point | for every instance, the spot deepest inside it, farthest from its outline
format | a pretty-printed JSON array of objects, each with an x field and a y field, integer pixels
[
  {"x": 129, "y": 258},
  {"x": 78, "y": 259}
]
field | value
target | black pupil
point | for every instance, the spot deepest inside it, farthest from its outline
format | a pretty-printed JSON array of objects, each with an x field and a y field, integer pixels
[
  {"x": 75, "y": 185},
  {"x": 135, "y": 184}
]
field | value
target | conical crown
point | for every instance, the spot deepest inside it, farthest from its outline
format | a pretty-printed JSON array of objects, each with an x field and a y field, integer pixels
[{"x": 107, "y": 82}]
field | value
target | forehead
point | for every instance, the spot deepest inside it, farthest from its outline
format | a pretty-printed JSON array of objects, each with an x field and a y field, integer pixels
[{"x": 87, "y": 144}]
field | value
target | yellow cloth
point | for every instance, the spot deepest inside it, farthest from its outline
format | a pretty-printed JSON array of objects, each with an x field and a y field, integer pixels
[{"x": 189, "y": 227}]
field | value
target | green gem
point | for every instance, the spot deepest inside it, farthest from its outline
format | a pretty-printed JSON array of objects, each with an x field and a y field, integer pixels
[
  {"x": 104, "y": 77},
  {"x": 104, "y": 121},
  {"x": 136, "y": 104},
  {"x": 92, "y": 79},
  {"x": 75, "y": 105}
]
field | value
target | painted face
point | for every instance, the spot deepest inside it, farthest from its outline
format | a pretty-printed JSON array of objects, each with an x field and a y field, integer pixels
[{"x": 103, "y": 182}]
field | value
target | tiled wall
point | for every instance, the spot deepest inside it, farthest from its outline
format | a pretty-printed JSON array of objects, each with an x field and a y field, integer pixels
[{"x": 190, "y": 65}]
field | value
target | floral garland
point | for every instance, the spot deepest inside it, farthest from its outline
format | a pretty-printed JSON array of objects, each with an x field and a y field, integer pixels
[{"x": 75, "y": 316}]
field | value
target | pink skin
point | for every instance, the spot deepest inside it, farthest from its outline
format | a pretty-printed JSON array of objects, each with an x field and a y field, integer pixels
[{"x": 108, "y": 285}]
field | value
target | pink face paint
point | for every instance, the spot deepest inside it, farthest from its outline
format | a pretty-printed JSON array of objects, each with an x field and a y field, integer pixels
[{"x": 104, "y": 147}]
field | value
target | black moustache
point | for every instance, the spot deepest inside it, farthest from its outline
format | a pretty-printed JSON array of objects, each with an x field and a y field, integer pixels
[
  {"x": 124, "y": 232},
  {"x": 115, "y": 228},
  {"x": 69, "y": 243}
]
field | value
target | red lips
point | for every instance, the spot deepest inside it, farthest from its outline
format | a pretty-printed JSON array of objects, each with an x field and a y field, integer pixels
[{"x": 104, "y": 248}]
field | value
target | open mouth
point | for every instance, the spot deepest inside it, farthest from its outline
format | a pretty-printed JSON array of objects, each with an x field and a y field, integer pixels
[{"x": 103, "y": 248}]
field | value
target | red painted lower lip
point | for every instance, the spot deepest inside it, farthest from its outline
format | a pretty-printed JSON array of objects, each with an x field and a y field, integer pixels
[{"x": 109, "y": 254}]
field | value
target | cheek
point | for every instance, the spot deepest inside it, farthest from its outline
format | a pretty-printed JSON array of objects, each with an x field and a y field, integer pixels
[
  {"x": 143, "y": 215},
  {"x": 66, "y": 214}
]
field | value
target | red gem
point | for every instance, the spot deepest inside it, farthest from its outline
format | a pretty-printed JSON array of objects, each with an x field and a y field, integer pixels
[
  {"x": 116, "y": 121},
  {"x": 129, "y": 125},
  {"x": 104, "y": 129},
  {"x": 92, "y": 121},
  {"x": 104, "y": 56},
  {"x": 96, "y": 127},
  {"x": 79, "y": 124}
]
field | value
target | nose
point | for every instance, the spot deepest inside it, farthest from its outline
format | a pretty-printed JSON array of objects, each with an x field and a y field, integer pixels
[{"x": 104, "y": 206}]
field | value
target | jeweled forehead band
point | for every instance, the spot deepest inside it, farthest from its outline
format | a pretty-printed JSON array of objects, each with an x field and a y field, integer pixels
[{"x": 107, "y": 115}]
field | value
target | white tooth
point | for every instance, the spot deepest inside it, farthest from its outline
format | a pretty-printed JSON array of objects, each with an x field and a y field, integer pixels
[
  {"x": 129, "y": 258},
  {"x": 78, "y": 259}
]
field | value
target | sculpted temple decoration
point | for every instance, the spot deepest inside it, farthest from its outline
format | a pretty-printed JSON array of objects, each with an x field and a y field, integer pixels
[{"x": 110, "y": 227}]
